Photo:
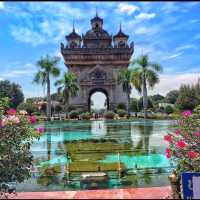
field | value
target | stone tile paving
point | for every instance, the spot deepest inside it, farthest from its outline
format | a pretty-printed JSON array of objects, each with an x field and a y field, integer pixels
[{"x": 130, "y": 193}]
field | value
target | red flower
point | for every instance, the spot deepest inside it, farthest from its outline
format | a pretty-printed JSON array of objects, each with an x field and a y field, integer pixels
[
  {"x": 186, "y": 136},
  {"x": 192, "y": 154},
  {"x": 186, "y": 113},
  {"x": 32, "y": 119},
  {"x": 168, "y": 153},
  {"x": 180, "y": 144},
  {"x": 177, "y": 132},
  {"x": 40, "y": 129},
  {"x": 11, "y": 111},
  {"x": 168, "y": 138}
]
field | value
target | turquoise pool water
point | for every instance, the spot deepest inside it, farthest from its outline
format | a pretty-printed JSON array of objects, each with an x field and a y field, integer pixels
[
  {"x": 144, "y": 136},
  {"x": 141, "y": 162}
]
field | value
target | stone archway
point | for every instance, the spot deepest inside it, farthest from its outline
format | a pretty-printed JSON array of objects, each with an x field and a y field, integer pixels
[{"x": 98, "y": 90}]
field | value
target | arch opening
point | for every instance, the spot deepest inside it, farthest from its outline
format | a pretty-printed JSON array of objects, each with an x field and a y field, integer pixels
[{"x": 98, "y": 101}]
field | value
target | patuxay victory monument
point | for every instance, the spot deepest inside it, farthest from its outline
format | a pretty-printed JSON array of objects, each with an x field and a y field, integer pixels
[{"x": 96, "y": 57}]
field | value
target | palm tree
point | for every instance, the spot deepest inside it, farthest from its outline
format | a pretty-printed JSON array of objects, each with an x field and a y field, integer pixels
[
  {"x": 47, "y": 68},
  {"x": 124, "y": 78},
  {"x": 145, "y": 74},
  {"x": 68, "y": 86}
]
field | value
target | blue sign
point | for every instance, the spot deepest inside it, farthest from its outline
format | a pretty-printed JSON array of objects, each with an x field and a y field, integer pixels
[{"x": 191, "y": 185}]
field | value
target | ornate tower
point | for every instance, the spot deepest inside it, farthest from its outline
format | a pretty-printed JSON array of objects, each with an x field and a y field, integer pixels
[{"x": 96, "y": 62}]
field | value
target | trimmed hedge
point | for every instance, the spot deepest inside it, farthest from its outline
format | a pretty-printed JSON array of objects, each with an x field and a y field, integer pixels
[
  {"x": 121, "y": 112},
  {"x": 85, "y": 116},
  {"x": 109, "y": 115},
  {"x": 73, "y": 114}
]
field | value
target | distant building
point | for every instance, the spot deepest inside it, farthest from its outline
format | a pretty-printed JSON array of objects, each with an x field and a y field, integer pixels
[{"x": 164, "y": 105}]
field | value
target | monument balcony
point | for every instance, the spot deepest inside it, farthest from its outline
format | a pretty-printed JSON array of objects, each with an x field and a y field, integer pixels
[
  {"x": 97, "y": 55},
  {"x": 91, "y": 51}
]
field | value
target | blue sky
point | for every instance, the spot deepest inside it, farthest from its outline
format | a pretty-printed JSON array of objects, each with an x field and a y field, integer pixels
[{"x": 168, "y": 31}]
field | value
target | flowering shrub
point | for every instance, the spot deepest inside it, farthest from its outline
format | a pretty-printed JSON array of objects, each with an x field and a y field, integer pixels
[
  {"x": 16, "y": 135},
  {"x": 184, "y": 144}
]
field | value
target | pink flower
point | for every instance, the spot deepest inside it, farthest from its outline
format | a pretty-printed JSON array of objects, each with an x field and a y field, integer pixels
[
  {"x": 177, "y": 132},
  {"x": 168, "y": 138},
  {"x": 193, "y": 154},
  {"x": 197, "y": 134},
  {"x": 181, "y": 144},
  {"x": 32, "y": 119},
  {"x": 186, "y": 113},
  {"x": 13, "y": 119},
  {"x": 11, "y": 111},
  {"x": 168, "y": 153},
  {"x": 4, "y": 121},
  {"x": 40, "y": 129}
]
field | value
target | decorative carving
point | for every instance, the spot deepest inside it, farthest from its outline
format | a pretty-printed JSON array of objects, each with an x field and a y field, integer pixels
[{"x": 98, "y": 74}]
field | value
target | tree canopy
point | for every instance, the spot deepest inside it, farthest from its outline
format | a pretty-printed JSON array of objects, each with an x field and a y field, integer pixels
[{"x": 13, "y": 91}]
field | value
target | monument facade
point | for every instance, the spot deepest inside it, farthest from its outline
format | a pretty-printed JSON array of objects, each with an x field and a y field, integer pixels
[{"x": 96, "y": 57}]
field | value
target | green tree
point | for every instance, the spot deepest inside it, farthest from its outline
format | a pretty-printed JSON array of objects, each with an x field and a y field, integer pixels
[
  {"x": 13, "y": 91},
  {"x": 124, "y": 78},
  {"x": 68, "y": 86},
  {"x": 172, "y": 96},
  {"x": 145, "y": 73},
  {"x": 29, "y": 107},
  {"x": 169, "y": 109},
  {"x": 134, "y": 106},
  {"x": 157, "y": 98},
  {"x": 187, "y": 98},
  {"x": 47, "y": 68},
  {"x": 149, "y": 104},
  {"x": 4, "y": 104},
  {"x": 121, "y": 106}
]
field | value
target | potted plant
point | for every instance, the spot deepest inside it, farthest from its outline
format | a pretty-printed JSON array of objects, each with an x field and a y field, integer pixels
[{"x": 184, "y": 148}]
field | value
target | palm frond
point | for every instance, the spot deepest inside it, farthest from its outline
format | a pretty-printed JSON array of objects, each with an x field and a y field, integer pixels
[
  {"x": 40, "y": 77},
  {"x": 55, "y": 71},
  {"x": 58, "y": 82},
  {"x": 136, "y": 79},
  {"x": 157, "y": 67},
  {"x": 152, "y": 78}
]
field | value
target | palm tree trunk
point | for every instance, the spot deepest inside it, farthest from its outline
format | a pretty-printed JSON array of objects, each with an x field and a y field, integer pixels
[
  {"x": 128, "y": 103},
  {"x": 48, "y": 99},
  {"x": 145, "y": 101}
]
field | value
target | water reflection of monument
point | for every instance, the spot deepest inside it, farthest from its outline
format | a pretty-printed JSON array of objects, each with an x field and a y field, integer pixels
[
  {"x": 120, "y": 131},
  {"x": 98, "y": 129},
  {"x": 140, "y": 136}
]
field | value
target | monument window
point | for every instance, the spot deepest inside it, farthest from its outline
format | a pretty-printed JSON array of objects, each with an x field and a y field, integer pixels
[{"x": 121, "y": 44}]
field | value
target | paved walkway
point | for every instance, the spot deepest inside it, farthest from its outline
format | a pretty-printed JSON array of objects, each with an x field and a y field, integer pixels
[{"x": 131, "y": 193}]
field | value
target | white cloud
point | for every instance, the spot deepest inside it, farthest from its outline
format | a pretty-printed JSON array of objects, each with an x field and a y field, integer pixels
[
  {"x": 2, "y": 5},
  {"x": 19, "y": 71},
  {"x": 127, "y": 8},
  {"x": 173, "y": 56},
  {"x": 169, "y": 7},
  {"x": 174, "y": 81},
  {"x": 141, "y": 30},
  {"x": 145, "y": 16},
  {"x": 194, "y": 21},
  {"x": 171, "y": 82},
  {"x": 1, "y": 79},
  {"x": 27, "y": 35},
  {"x": 184, "y": 47}
]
